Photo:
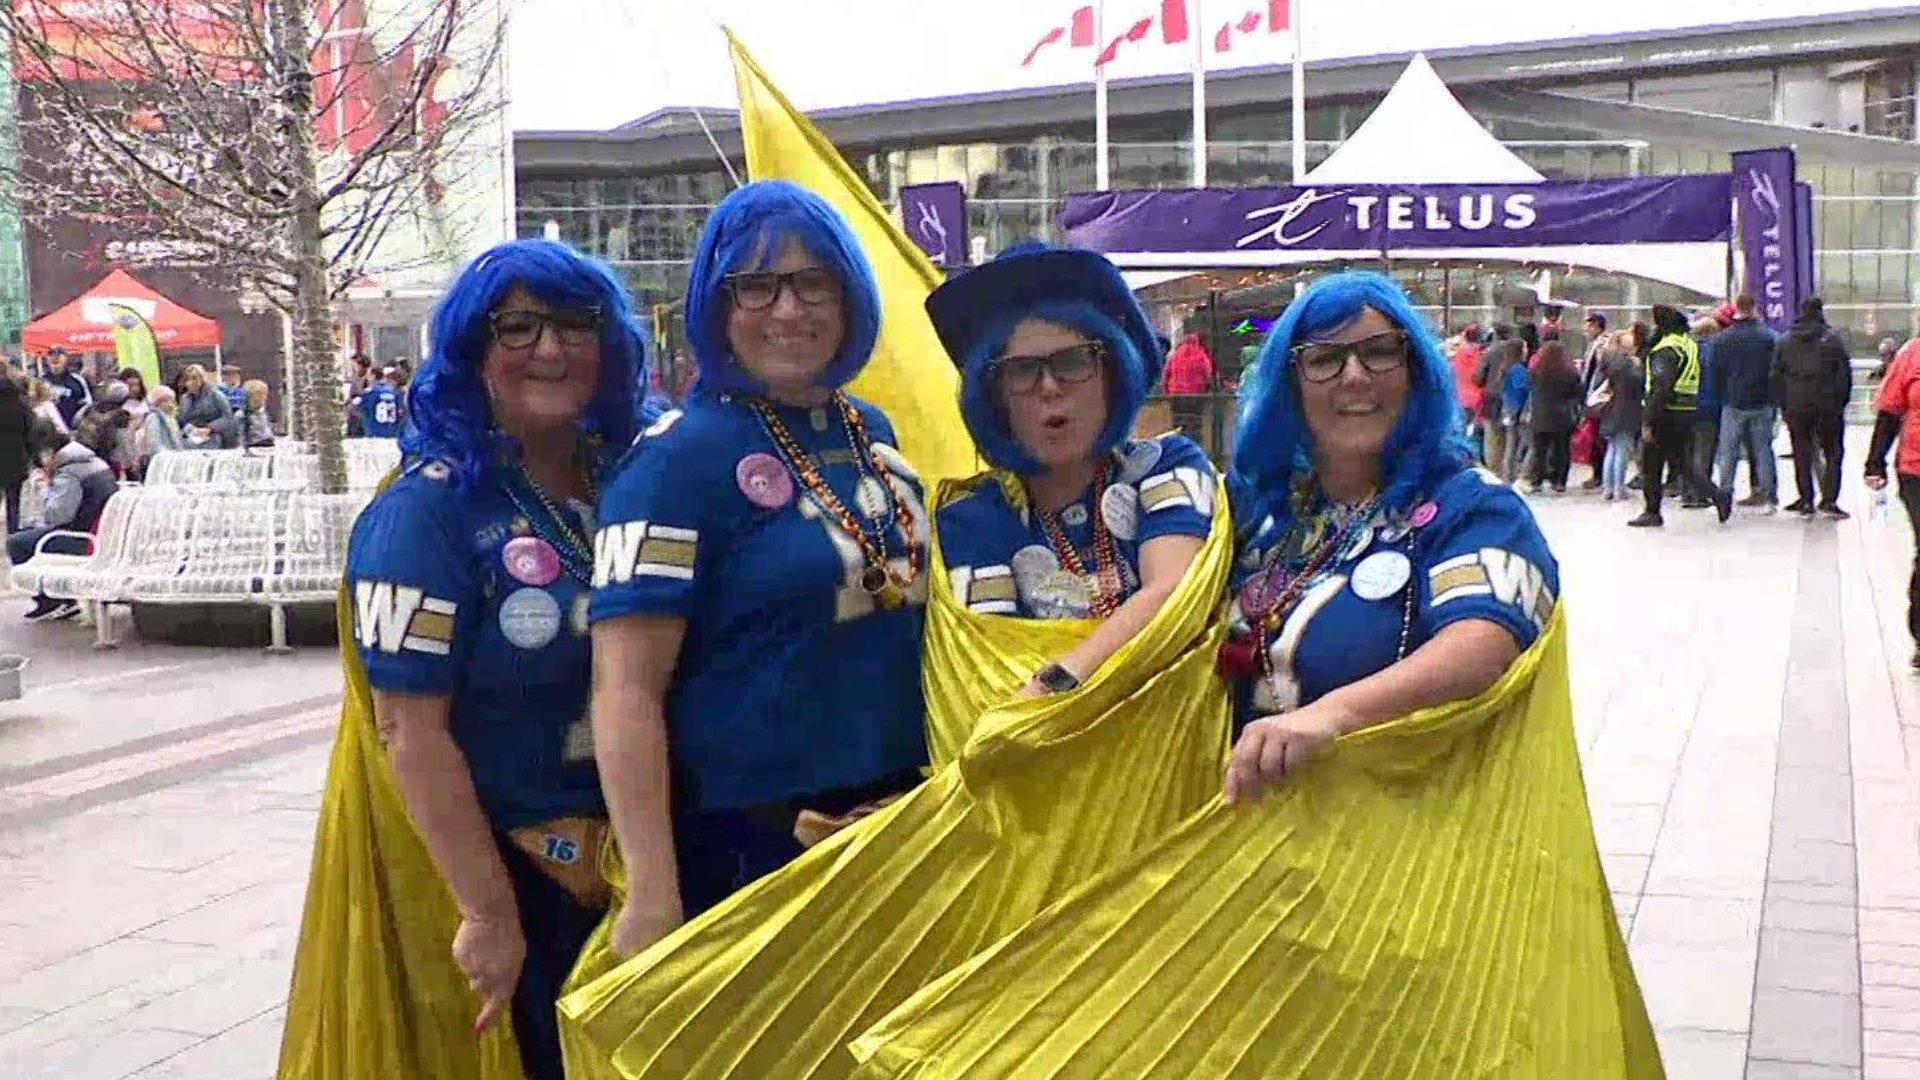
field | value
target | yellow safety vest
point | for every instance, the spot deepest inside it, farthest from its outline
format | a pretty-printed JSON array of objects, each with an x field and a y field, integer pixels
[{"x": 1686, "y": 385}]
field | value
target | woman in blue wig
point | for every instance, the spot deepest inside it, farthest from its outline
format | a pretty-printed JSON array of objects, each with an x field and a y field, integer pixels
[
  {"x": 1080, "y": 520},
  {"x": 1379, "y": 573},
  {"x": 469, "y": 579},
  {"x": 759, "y": 582}
]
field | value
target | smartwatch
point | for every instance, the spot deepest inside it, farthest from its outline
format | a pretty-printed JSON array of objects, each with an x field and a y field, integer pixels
[{"x": 1056, "y": 679}]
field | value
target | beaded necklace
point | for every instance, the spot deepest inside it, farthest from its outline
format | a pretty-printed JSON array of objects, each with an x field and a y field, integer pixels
[
  {"x": 878, "y": 575},
  {"x": 553, "y": 526},
  {"x": 1106, "y": 598}
]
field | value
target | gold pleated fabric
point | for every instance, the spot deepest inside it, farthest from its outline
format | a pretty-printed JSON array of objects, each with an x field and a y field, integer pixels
[
  {"x": 1030, "y": 799},
  {"x": 375, "y": 990},
  {"x": 1427, "y": 902}
]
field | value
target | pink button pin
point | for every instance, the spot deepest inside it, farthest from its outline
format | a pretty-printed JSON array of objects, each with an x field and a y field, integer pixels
[
  {"x": 531, "y": 561},
  {"x": 1423, "y": 515},
  {"x": 764, "y": 481}
]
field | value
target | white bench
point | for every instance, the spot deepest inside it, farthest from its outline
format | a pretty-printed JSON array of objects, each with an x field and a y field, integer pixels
[
  {"x": 162, "y": 546},
  {"x": 283, "y": 467}
]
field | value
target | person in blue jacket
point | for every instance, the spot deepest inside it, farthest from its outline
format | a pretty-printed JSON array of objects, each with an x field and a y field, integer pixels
[
  {"x": 469, "y": 581},
  {"x": 1077, "y": 520},
  {"x": 760, "y": 575},
  {"x": 380, "y": 415},
  {"x": 1516, "y": 393},
  {"x": 1378, "y": 572}
]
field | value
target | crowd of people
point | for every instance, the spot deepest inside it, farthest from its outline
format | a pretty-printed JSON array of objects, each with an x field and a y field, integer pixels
[
  {"x": 78, "y": 435},
  {"x": 1671, "y": 409},
  {"x": 710, "y": 648}
]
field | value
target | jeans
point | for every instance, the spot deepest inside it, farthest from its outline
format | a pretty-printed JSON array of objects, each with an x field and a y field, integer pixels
[
  {"x": 1748, "y": 433},
  {"x": 1706, "y": 439},
  {"x": 20, "y": 546},
  {"x": 1816, "y": 435},
  {"x": 1621, "y": 450}
]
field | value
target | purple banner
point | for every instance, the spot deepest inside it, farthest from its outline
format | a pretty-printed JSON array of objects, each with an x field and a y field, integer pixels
[
  {"x": 1803, "y": 237},
  {"x": 1765, "y": 201},
  {"x": 1379, "y": 217},
  {"x": 935, "y": 216}
]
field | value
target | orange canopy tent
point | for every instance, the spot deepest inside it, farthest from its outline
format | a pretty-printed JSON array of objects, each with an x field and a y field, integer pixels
[{"x": 86, "y": 323}]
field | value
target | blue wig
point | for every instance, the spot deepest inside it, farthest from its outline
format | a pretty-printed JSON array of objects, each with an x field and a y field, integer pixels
[
  {"x": 980, "y": 403},
  {"x": 1273, "y": 442},
  {"x": 745, "y": 233},
  {"x": 448, "y": 415}
]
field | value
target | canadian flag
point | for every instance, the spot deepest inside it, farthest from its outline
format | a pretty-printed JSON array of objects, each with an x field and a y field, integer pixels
[{"x": 1174, "y": 29}]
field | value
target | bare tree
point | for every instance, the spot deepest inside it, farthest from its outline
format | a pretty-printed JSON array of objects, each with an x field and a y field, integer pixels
[{"x": 304, "y": 144}]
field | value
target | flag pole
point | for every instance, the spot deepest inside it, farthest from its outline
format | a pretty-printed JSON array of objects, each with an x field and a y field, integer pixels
[
  {"x": 1299, "y": 96},
  {"x": 1100, "y": 175},
  {"x": 1194, "y": 24}
]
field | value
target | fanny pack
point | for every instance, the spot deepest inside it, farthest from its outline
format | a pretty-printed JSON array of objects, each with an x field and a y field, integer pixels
[{"x": 569, "y": 850}]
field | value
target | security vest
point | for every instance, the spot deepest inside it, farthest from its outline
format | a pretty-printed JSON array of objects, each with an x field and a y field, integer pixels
[{"x": 1686, "y": 385}]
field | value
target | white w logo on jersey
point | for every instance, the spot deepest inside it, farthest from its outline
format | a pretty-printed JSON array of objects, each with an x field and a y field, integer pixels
[{"x": 393, "y": 617}]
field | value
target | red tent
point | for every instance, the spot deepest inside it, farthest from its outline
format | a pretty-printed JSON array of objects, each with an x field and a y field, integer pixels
[{"x": 86, "y": 324}]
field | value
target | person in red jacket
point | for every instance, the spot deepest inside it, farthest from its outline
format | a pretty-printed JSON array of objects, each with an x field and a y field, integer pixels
[
  {"x": 1898, "y": 419},
  {"x": 1466, "y": 361},
  {"x": 1190, "y": 368}
]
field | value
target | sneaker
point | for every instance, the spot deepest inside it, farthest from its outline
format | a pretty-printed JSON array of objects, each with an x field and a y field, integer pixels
[
  {"x": 42, "y": 607},
  {"x": 1799, "y": 506},
  {"x": 1754, "y": 500},
  {"x": 1723, "y": 505},
  {"x": 1533, "y": 489},
  {"x": 1559, "y": 489},
  {"x": 1694, "y": 504},
  {"x": 1834, "y": 513},
  {"x": 1646, "y": 521},
  {"x": 1609, "y": 496},
  {"x": 55, "y": 611},
  {"x": 1590, "y": 485}
]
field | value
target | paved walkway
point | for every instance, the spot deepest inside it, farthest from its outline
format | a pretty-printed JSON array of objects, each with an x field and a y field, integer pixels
[{"x": 1749, "y": 723}]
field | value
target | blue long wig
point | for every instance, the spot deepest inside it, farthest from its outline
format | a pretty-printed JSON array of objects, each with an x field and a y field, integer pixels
[
  {"x": 1273, "y": 443},
  {"x": 448, "y": 415},
  {"x": 980, "y": 403},
  {"x": 745, "y": 234}
]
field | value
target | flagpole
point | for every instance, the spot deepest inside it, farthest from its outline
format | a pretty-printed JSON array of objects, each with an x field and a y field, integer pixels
[
  {"x": 1194, "y": 24},
  {"x": 1299, "y": 96},
  {"x": 1100, "y": 176}
]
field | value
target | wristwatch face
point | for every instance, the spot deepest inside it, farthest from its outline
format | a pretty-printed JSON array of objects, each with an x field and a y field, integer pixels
[{"x": 1057, "y": 679}]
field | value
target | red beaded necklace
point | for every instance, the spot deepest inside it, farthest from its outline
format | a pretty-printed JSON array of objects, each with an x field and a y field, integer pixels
[
  {"x": 1106, "y": 598},
  {"x": 878, "y": 575}
]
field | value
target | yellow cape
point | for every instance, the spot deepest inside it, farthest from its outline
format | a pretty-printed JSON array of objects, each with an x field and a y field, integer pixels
[
  {"x": 1427, "y": 902},
  {"x": 375, "y": 990},
  {"x": 1031, "y": 798}
]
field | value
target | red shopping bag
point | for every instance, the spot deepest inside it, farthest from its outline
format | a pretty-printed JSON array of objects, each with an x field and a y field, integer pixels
[{"x": 1586, "y": 439}]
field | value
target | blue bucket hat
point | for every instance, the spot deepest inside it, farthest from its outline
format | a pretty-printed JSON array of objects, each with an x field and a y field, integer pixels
[{"x": 975, "y": 315}]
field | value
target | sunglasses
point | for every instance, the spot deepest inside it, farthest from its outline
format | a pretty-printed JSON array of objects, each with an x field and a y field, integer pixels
[
  {"x": 1071, "y": 365},
  {"x": 1323, "y": 361},
  {"x": 517, "y": 329},
  {"x": 760, "y": 290}
]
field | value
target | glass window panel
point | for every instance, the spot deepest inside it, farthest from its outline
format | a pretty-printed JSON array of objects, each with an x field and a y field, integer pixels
[{"x": 1741, "y": 93}]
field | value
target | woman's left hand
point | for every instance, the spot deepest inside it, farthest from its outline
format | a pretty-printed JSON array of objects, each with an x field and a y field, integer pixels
[{"x": 1273, "y": 749}]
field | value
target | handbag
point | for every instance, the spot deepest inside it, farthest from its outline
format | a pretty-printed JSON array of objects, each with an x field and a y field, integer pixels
[
  {"x": 569, "y": 850},
  {"x": 1599, "y": 398}
]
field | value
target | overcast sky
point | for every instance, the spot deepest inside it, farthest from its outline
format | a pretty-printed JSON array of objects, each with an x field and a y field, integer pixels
[{"x": 581, "y": 64}]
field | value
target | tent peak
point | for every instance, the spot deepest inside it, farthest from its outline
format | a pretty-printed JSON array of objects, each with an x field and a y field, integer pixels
[{"x": 1420, "y": 133}]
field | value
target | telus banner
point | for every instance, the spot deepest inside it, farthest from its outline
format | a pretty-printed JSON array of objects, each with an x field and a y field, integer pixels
[
  {"x": 1373, "y": 217},
  {"x": 935, "y": 216},
  {"x": 1768, "y": 205}
]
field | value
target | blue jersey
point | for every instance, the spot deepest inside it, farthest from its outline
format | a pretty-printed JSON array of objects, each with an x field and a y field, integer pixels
[
  {"x": 380, "y": 411},
  {"x": 1471, "y": 550},
  {"x": 1002, "y": 561},
  {"x": 458, "y": 591},
  {"x": 791, "y": 680}
]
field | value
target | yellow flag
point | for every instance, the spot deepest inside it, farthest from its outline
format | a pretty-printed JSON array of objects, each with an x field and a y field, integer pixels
[
  {"x": 1426, "y": 903},
  {"x": 910, "y": 378},
  {"x": 134, "y": 346}
]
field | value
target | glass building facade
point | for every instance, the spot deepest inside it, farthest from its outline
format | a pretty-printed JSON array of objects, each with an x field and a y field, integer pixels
[
  {"x": 15, "y": 307},
  {"x": 1868, "y": 264}
]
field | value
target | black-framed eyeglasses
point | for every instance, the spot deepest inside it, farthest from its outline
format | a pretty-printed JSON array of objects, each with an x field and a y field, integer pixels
[
  {"x": 760, "y": 289},
  {"x": 1073, "y": 364},
  {"x": 1323, "y": 361},
  {"x": 517, "y": 328}
]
